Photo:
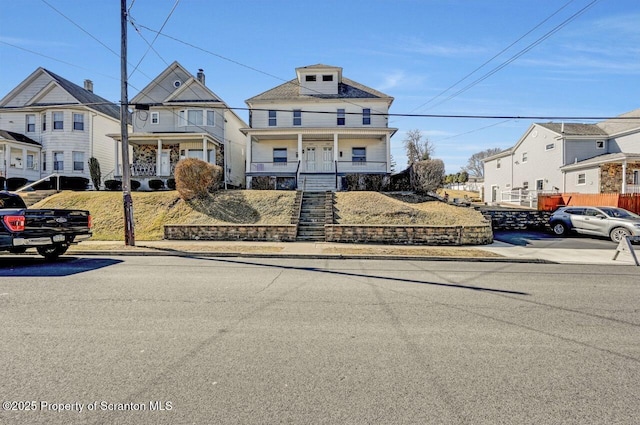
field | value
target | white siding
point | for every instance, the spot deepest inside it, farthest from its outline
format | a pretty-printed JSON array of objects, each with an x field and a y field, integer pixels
[
  {"x": 263, "y": 151},
  {"x": 500, "y": 177},
  {"x": 29, "y": 91},
  {"x": 235, "y": 147},
  {"x": 320, "y": 115}
]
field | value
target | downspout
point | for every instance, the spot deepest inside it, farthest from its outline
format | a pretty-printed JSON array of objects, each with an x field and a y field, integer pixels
[{"x": 624, "y": 176}]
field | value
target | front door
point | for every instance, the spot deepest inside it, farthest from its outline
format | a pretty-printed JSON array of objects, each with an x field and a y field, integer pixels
[
  {"x": 327, "y": 159},
  {"x": 310, "y": 158},
  {"x": 494, "y": 193},
  {"x": 165, "y": 163}
]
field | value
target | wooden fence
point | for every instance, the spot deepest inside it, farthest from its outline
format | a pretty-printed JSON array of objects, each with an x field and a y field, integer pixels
[{"x": 629, "y": 202}]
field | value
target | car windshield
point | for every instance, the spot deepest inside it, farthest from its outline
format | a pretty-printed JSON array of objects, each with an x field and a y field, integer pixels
[{"x": 619, "y": 213}]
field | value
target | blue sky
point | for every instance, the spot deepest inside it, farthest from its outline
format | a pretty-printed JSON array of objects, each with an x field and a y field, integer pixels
[{"x": 413, "y": 50}]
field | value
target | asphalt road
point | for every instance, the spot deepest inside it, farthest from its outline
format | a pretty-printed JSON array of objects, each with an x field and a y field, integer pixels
[
  {"x": 246, "y": 341},
  {"x": 535, "y": 239}
]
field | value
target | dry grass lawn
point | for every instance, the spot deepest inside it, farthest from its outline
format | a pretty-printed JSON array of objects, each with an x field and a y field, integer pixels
[
  {"x": 380, "y": 208},
  {"x": 152, "y": 210}
]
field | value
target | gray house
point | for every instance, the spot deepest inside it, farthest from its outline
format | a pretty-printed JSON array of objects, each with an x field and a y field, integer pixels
[
  {"x": 566, "y": 157},
  {"x": 176, "y": 116}
]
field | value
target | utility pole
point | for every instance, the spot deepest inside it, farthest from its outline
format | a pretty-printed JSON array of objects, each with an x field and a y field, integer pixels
[{"x": 129, "y": 236}]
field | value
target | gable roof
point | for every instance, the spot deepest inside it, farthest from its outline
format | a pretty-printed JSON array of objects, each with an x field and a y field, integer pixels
[
  {"x": 622, "y": 123},
  {"x": 17, "y": 137},
  {"x": 601, "y": 159},
  {"x": 190, "y": 90},
  {"x": 571, "y": 129},
  {"x": 82, "y": 96},
  {"x": 347, "y": 89}
]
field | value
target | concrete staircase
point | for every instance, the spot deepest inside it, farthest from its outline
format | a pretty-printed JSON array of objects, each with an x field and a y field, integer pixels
[
  {"x": 35, "y": 196},
  {"x": 319, "y": 182},
  {"x": 312, "y": 217}
]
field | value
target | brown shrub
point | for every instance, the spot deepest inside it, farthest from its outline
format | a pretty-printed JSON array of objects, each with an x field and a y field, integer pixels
[
  {"x": 196, "y": 178},
  {"x": 427, "y": 176}
]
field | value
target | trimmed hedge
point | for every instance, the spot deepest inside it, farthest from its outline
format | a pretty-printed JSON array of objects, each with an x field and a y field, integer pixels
[
  {"x": 156, "y": 184},
  {"x": 116, "y": 185},
  {"x": 171, "y": 183},
  {"x": 14, "y": 183}
]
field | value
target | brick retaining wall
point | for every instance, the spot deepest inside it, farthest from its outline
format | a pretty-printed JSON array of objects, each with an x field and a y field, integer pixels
[
  {"x": 409, "y": 235},
  {"x": 232, "y": 232}
]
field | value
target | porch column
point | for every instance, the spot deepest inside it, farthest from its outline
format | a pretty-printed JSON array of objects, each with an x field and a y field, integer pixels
[
  {"x": 300, "y": 149},
  {"x": 205, "y": 158},
  {"x": 248, "y": 154},
  {"x": 624, "y": 176},
  {"x": 158, "y": 157},
  {"x": 388, "y": 139},
  {"x": 24, "y": 161},
  {"x": 335, "y": 149},
  {"x": 117, "y": 169}
]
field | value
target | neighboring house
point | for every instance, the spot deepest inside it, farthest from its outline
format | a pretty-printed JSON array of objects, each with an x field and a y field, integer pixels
[
  {"x": 67, "y": 123},
  {"x": 316, "y": 128},
  {"x": 176, "y": 116},
  {"x": 569, "y": 158},
  {"x": 18, "y": 157}
]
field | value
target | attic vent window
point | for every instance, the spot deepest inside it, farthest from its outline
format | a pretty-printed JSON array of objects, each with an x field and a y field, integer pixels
[
  {"x": 327, "y": 78},
  {"x": 599, "y": 144},
  {"x": 177, "y": 83},
  {"x": 310, "y": 78}
]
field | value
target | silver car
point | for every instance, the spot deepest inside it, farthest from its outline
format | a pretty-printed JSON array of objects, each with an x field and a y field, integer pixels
[{"x": 611, "y": 222}]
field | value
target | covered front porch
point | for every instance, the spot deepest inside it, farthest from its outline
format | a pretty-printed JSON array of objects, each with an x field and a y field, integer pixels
[
  {"x": 314, "y": 155},
  {"x": 155, "y": 156},
  {"x": 19, "y": 157},
  {"x": 609, "y": 173}
]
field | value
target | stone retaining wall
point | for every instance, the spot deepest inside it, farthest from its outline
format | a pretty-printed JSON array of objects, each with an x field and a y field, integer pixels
[
  {"x": 518, "y": 219},
  {"x": 232, "y": 232},
  {"x": 410, "y": 235}
]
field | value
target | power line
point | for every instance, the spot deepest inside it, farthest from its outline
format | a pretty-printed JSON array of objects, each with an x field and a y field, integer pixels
[{"x": 493, "y": 57}]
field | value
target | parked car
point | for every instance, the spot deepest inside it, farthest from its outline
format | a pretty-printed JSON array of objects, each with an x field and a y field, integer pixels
[
  {"x": 50, "y": 231},
  {"x": 612, "y": 222}
]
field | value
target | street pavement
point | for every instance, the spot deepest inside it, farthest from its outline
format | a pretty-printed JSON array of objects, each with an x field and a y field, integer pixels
[{"x": 555, "y": 250}]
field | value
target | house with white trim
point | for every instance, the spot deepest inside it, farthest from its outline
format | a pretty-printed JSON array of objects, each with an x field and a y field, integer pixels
[
  {"x": 566, "y": 157},
  {"x": 177, "y": 116},
  {"x": 312, "y": 131},
  {"x": 59, "y": 124}
]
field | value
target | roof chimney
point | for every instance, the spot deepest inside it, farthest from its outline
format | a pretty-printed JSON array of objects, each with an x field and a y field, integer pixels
[
  {"x": 88, "y": 85},
  {"x": 201, "y": 75}
]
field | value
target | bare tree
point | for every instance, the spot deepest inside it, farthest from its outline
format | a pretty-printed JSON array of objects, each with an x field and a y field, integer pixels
[
  {"x": 418, "y": 147},
  {"x": 475, "y": 166}
]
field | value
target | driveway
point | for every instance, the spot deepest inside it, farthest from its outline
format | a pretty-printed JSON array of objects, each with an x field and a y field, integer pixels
[{"x": 537, "y": 239}]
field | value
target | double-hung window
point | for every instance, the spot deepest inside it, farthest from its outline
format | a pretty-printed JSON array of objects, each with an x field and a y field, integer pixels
[
  {"x": 31, "y": 123},
  {"x": 211, "y": 118},
  {"x": 359, "y": 156},
  {"x": 78, "y": 122},
  {"x": 582, "y": 178},
  {"x": 44, "y": 122},
  {"x": 297, "y": 117},
  {"x": 58, "y": 120},
  {"x": 58, "y": 161},
  {"x": 366, "y": 116},
  {"x": 30, "y": 163},
  {"x": 272, "y": 119},
  {"x": 78, "y": 161},
  {"x": 155, "y": 118},
  {"x": 341, "y": 117},
  {"x": 280, "y": 156},
  {"x": 44, "y": 161},
  {"x": 194, "y": 116},
  {"x": 524, "y": 157}
]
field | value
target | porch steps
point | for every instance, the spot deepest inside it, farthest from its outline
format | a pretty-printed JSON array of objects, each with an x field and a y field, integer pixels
[
  {"x": 35, "y": 196},
  {"x": 318, "y": 182},
  {"x": 312, "y": 217}
]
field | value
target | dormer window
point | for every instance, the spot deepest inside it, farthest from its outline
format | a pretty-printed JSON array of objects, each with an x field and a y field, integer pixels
[
  {"x": 327, "y": 78},
  {"x": 310, "y": 78}
]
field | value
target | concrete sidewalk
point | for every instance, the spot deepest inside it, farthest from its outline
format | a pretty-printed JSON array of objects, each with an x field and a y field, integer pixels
[{"x": 497, "y": 251}]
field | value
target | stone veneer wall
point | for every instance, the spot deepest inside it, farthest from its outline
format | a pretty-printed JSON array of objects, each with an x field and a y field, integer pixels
[
  {"x": 410, "y": 235},
  {"x": 611, "y": 176},
  {"x": 514, "y": 219},
  {"x": 232, "y": 232}
]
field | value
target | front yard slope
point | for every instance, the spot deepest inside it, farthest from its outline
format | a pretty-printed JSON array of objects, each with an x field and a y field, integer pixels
[
  {"x": 381, "y": 209},
  {"x": 152, "y": 210}
]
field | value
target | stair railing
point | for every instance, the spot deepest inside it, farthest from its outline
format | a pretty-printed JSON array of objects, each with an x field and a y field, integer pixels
[{"x": 30, "y": 185}]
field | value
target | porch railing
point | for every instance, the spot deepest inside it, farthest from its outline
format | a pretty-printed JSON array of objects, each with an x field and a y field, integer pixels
[
  {"x": 361, "y": 166},
  {"x": 274, "y": 167}
]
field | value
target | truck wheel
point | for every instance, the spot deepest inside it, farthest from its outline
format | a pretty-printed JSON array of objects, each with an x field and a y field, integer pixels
[{"x": 52, "y": 252}]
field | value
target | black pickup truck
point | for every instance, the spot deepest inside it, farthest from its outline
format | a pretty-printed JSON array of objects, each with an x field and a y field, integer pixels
[{"x": 50, "y": 231}]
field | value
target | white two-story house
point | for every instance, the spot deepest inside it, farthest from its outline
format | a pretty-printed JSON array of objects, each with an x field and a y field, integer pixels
[
  {"x": 176, "y": 116},
  {"x": 566, "y": 157},
  {"x": 311, "y": 131},
  {"x": 62, "y": 125}
]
